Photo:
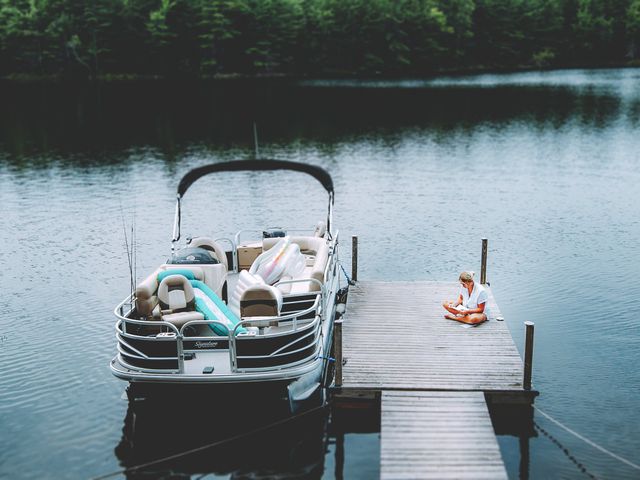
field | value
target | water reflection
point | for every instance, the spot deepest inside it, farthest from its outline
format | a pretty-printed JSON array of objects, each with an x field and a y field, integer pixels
[
  {"x": 172, "y": 116},
  {"x": 250, "y": 439},
  {"x": 514, "y": 423}
]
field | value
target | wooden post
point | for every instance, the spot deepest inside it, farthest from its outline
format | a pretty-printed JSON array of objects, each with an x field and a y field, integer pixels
[
  {"x": 483, "y": 266},
  {"x": 338, "y": 471},
  {"x": 528, "y": 355},
  {"x": 354, "y": 258},
  {"x": 524, "y": 457},
  {"x": 337, "y": 351}
]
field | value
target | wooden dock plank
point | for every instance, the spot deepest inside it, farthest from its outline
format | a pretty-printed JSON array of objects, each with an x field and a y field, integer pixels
[
  {"x": 438, "y": 435},
  {"x": 395, "y": 337}
]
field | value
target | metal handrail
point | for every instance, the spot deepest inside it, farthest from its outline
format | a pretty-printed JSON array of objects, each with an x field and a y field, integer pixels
[
  {"x": 123, "y": 340},
  {"x": 141, "y": 355},
  {"x": 147, "y": 370},
  {"x": 232, "y": 337},
  {"x": 234, "y": 251},
  {"x": 202, "y": 322},
  {"x": 135, "y": 321},
  {"x": 272, "y": 355},
  {"x": 318, "y": 306},
  {"x": 302, "y": 280},
  {"x": 260, "y": 230},
  {"x": 275, "y": 353},
  {"x": 313, "y": 356},
  {"x": 292, "y": 316}
]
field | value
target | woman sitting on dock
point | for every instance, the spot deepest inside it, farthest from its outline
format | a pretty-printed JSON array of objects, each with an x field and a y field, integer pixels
[{"x": 469, "y": 307}]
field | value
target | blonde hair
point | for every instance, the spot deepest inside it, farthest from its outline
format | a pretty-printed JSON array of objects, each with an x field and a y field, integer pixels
[{"x": 466, "y": 277}]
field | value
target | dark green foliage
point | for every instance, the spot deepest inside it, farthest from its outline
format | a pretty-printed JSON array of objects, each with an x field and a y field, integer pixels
[
  {"x": 89, "y": 38},
  {"x": 632, "y": 26}
]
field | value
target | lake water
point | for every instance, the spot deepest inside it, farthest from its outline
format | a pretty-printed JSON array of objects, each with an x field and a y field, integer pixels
[{"x": 544, "y": 165}]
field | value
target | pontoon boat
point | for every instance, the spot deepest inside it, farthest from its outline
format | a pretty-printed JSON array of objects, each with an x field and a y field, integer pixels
[{"x": 259, "y": 312}]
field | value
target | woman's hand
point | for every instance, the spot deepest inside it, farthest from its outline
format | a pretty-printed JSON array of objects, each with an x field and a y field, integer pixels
[{"x": 450, "y": 307}]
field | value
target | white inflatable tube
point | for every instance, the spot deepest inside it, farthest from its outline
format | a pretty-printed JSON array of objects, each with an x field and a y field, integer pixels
[{"x": 270, "y": 255}]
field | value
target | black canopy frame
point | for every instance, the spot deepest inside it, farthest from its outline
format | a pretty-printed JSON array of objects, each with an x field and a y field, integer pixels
[{"x": 190, "y": 177}]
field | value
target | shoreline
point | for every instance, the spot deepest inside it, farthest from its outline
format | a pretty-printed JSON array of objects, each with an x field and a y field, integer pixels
[{"x": 29, "y": 78}]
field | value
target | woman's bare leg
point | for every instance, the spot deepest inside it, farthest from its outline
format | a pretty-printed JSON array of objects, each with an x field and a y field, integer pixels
[{"x": 470, "y": 319}]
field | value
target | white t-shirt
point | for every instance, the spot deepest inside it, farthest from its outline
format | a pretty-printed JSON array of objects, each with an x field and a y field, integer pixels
[{"x": 478, "y": 296}]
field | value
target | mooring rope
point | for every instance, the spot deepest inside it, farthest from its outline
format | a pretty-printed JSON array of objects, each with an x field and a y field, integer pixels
[
  {"x": 210, "y": 445},
  {"x": 349, "y": 281},
  {"x": 589, "y": 442}
]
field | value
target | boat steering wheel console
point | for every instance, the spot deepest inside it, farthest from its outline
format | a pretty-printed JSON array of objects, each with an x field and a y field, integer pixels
[{"x": 193, "y": 256}]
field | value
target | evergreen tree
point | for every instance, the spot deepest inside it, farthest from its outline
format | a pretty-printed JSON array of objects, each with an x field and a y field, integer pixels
[{"x": 405, "y": 37}]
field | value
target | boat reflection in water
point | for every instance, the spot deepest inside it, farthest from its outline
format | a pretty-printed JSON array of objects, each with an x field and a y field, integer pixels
[{"x": 241, "y": 438}]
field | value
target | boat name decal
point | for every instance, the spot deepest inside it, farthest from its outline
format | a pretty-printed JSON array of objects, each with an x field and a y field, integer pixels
[{"x": 206, "y": 344}]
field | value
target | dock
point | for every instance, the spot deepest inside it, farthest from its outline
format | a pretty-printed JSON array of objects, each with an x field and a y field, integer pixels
[
  {"x": 434, "y": 379},
  {"x": 395, "y": 337},
  {"x": 438, "y": 435}
]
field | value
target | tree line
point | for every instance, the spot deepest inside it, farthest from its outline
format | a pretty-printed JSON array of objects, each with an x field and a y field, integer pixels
[{"x": 311, "y": 37}]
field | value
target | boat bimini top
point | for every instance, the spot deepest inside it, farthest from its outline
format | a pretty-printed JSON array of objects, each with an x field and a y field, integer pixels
[{"x": 318, "y": 173}]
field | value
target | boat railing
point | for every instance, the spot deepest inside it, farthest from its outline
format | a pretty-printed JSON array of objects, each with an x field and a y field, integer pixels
[
  {"x": 259, "y": 231},
  {"x": 306, "y": 280},
  {"x": 283, "y": 351},
  {"x": 234, "y": 252},
  {"x": 170, "y": 333},
  {"x": 295, "y": 318}
]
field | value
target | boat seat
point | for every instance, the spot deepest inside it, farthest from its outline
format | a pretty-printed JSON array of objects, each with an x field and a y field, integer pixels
[
  {"x": 260, "y": 301},
  {"x": 147, "y": 290},
  {"x": 211, "y": 245},
  {"x": 245, "y": 281},
  {"x": 177, "y": 300},
  {"x": 215, "y": 276}
]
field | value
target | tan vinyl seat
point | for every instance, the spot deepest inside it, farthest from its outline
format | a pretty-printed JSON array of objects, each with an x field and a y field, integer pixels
[
  {"x": 177, "y": 300},
  {"x": 147, "y": 290},
  {"x": 260, "y": 301},
  {"x": 211, "y": 245}
]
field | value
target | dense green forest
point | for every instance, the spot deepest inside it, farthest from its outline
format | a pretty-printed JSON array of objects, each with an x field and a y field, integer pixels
[{"x": 91, "y": 38}]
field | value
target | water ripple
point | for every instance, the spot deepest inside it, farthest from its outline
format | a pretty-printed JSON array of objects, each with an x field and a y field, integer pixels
[{"x": 553, "y": 188}]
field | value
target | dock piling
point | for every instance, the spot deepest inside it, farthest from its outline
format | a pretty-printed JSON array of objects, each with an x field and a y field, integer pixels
[
  {"x": 354, "y": 258},
  {"x": 528, "y": 355},
  {"x": 337, "y": 351},
  {"x": 483, "y": 266}
]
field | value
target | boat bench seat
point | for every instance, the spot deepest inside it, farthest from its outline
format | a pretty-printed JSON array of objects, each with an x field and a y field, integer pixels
[{"x": 316, "y": 251}]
